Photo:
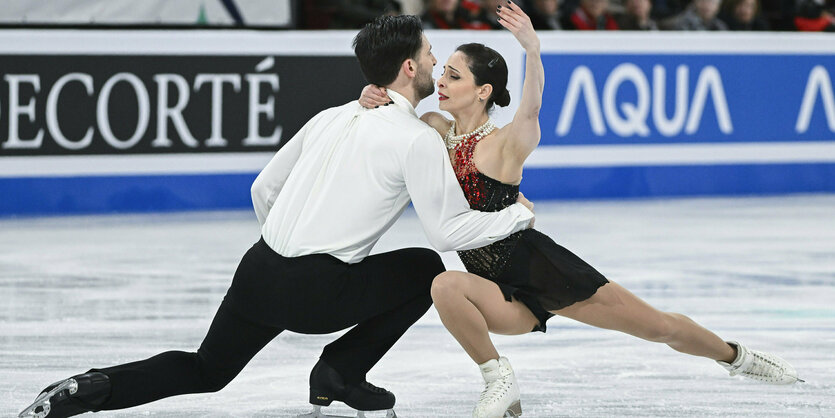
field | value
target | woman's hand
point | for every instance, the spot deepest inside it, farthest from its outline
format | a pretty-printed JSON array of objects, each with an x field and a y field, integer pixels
[
  {"x": 528, "y": 204},
  {"x": 519, "y": 24},
  {"x": 373, "y": 96}
]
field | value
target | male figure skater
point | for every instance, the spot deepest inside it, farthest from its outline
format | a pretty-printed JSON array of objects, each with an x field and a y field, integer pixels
[{"x": 323, "y": 202}]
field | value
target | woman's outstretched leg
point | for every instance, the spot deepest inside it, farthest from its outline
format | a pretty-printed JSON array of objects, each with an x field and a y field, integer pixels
[{"x": 613, "y": 307}]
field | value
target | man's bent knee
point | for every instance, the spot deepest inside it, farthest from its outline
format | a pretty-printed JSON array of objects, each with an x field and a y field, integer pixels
[
  {"x": 424, "y": 260},
  {"x": 213, "y": 377}
]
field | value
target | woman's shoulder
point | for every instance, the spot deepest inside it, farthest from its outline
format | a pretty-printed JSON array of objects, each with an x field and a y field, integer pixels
[{"x": 437, "y": 121}]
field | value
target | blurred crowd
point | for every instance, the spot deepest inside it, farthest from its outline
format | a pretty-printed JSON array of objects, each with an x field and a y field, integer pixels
[{"x": 713, "y": 15}]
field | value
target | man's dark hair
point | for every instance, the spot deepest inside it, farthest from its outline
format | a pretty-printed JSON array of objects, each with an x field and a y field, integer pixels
[{"x": 382, "y": 45}]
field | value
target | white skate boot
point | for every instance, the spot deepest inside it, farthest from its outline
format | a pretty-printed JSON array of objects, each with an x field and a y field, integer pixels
[
  {"x": 500, "y": 397},
  {"x": 760, "y": 366}
]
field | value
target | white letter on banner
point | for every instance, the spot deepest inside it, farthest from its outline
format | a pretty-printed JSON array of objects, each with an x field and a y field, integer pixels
[
  {"x": 256, "y": 109},
  {"x": 581, "y": 79},
  {"x": 174, "y": 113},
  {"x": 636, "y": 115},
  {"x": 217, "y": 80},
  {"x": 52, "y": 111},
  {"x": 669, "y": 127},
  {"x": 143, "y": 105},
  {"x": 818, "y": 81},
  {"x": 15, "y": 110},
  {"x": 709, "y": 78}
]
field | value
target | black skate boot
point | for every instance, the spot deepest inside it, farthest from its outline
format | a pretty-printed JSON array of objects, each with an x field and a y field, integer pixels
[
  {"x": 76, "y": 395},
  {"x": 326, "y": 386}
]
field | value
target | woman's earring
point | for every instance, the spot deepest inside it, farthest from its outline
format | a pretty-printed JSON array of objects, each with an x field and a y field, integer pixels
[{"x": 480, "y": 99}]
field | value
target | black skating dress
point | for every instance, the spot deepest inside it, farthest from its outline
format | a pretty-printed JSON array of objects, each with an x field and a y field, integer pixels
[{"x": 527, "y": 265}]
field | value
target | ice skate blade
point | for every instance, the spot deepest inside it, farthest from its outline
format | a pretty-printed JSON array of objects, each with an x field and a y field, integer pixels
[
  {"x": 317, "y": 413},
  {"x": 513, "y": 411},
  {"x": 42, "y": 402}
]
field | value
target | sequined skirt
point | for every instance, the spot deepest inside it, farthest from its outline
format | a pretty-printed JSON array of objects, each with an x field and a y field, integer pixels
[{"x": 546, "y": 276}]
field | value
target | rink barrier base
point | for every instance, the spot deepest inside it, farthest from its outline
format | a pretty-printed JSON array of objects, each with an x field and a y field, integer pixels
[{"x": 38, "y": 196}]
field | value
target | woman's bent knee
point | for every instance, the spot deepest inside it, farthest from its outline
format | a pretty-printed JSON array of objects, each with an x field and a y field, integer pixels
[{"x": 447, "y": 284}]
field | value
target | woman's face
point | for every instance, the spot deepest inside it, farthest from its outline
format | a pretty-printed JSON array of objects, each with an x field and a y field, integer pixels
[{"x": 456, "y": 86}]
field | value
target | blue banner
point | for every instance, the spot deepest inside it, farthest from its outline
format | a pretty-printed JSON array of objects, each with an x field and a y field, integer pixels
[{"x": 669, "y": 99}]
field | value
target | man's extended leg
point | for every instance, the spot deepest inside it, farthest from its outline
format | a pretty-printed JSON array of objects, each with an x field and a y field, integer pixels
[
  {"x": 232, "y": 340},
  {"x": 229, "y": 345}
]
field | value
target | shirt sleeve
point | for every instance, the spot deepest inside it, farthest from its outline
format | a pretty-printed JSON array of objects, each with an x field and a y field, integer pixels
[
  {"x": 447, "y": 219},
  {"x": 268, "y": 184}
]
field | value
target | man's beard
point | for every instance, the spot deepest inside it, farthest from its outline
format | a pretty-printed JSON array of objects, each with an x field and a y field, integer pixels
[{"x": 424, "y": 85}]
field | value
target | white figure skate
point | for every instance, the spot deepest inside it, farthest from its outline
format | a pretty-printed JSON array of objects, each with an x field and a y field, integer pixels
[
  {"x": 500, "y": 397},
  {"x": 760, "y": 366}
]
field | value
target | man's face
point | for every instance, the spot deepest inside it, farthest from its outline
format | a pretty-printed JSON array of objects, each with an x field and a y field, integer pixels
[{"x": 424, "y": 83}]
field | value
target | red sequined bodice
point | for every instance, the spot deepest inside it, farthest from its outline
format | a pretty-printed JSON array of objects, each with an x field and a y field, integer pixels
[{"x": 485, "y": 194}]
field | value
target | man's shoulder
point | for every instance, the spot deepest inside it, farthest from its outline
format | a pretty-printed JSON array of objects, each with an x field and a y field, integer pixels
[
  {"x": 336, "y": 110},
  {"x": 401, "y": 124}
]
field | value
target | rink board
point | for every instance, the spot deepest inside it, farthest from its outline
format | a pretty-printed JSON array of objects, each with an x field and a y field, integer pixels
[{"x": 144, "y": 121}]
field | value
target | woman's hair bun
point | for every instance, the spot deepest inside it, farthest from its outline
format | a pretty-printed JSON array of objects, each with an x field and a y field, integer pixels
[{"x": 503, "y": 98}]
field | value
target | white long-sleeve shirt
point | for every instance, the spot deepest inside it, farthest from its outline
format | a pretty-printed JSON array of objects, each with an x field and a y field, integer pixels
[{"x": 348, "y": 174}]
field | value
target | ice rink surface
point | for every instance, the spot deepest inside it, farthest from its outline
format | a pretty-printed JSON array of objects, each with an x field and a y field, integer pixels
[{"x": 82, "y": 292}]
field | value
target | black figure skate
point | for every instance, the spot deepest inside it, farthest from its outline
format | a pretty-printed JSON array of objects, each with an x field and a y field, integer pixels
[{"x": 326, "y": 386}]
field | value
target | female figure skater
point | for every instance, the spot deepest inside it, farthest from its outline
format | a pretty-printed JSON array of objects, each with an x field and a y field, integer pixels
[{"x": 513, "y": 286}]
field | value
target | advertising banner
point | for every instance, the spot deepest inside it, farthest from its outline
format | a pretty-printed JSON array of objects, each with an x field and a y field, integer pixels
[
  {"x": 114, "y": 121},
  {"x": 107, "y": 128}
]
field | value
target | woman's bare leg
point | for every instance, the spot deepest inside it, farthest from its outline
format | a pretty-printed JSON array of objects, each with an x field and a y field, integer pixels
[
  {"x": 614, "y": 307},
  {"x": 470, "y": 306}
]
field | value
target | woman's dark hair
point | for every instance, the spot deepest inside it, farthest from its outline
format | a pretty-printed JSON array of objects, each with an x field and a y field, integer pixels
[
  {"x": 488, "y": 67},
  {"x": 382, "y": 45}
]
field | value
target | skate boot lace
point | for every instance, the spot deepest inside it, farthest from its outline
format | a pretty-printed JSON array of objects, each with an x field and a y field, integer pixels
[
  {"x": 372, "y": 388},
  {"x": 493, "y": 391},
  {"x": 762, "y": 367}
]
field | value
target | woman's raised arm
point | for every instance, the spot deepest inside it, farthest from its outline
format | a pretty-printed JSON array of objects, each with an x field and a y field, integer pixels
[{"x": 525, "y": 125}]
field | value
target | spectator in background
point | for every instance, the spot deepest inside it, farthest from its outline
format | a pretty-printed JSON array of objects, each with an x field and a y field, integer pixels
[
  {"x": 354, "y": 14},
  {"x": 811, "y": 17},
  {"x": 452, "y": 14},
  {"x": 699, "y": 16},
  {"x": 591, "y": 15},
  {"x": 636, "y": 16},
  {"x": 489, "y": 14},
  {"x": 545, "y": 14},
  {"x": 344, "y": 14},
  {"x": 666, "y": 9},
  {"x": 743, "y": 15}
]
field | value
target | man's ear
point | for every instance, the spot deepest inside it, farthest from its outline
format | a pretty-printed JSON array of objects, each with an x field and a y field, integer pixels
[{"x": 409, "y": 67}]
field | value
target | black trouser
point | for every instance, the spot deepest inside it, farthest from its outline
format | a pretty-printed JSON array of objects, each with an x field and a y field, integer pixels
[{"x": 384, "y": 295}]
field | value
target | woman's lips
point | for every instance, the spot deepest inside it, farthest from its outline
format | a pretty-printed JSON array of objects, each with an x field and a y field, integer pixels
[{"x": 442, "y": 97}]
